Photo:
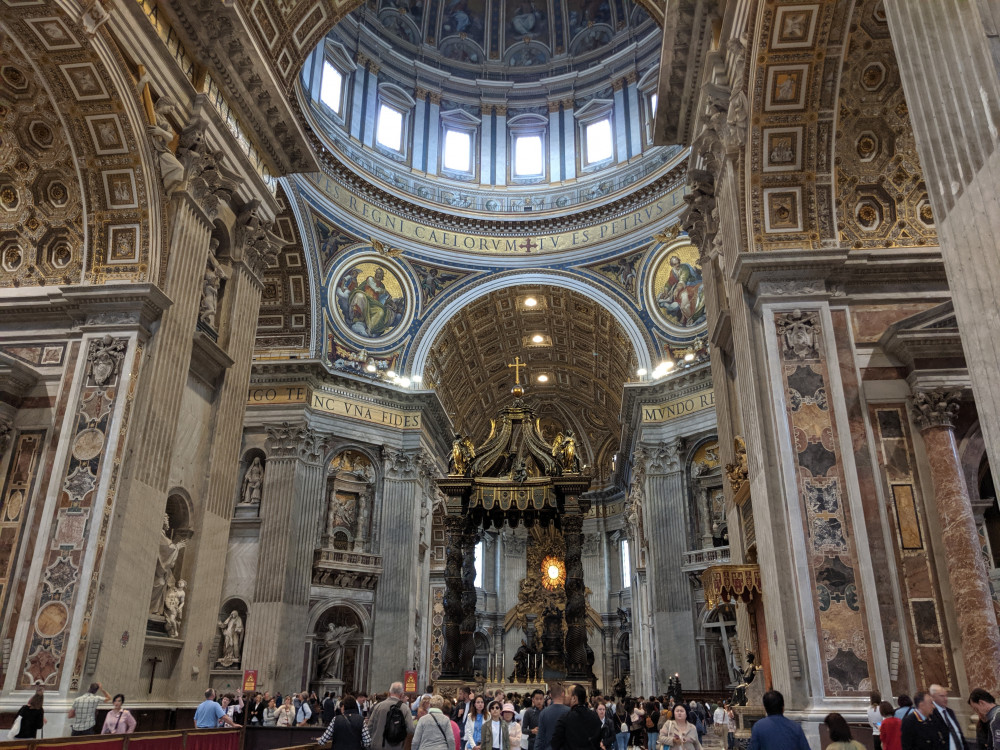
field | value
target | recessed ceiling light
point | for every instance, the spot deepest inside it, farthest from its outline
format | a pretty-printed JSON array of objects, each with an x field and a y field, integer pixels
[
  {"x": 530, "y": 302},
  {"x": 538, "y": 338},
  {"x": 543, "y": 378}
]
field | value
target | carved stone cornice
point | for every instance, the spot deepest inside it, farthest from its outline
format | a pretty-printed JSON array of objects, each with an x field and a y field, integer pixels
[
  {"x": 295, "y": 441},
  {"x": 935, "y": 408},
  {"x": 666, "y": 457},
  {"x": 401, "y": 464}
]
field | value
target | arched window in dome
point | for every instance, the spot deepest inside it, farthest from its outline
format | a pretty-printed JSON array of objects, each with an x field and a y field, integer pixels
[
  {"x": 460, "y": 139},
  {"x": 527, "y": 135},
  {"x": 648, "y": 97},
  {"x": 595, "y": 134},
  {"x": 328, "y": 80},
  {"x": 393, "y": 121}
]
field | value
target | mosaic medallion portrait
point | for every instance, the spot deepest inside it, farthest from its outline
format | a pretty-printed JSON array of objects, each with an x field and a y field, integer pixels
[
  {"x": 370, "y": 299},
  {"x": 675, "y": 291}
]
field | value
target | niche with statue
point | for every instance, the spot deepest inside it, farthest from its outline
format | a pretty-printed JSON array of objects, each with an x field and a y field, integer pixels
[{"x": 350, "y": 493}]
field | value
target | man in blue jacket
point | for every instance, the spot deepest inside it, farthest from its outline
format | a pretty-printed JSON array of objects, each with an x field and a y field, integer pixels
[{"x": 775, "y": 732}]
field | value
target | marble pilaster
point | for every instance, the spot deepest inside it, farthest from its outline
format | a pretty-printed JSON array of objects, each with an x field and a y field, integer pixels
[
  {"x": 292, "y": 482},
  {"x": 934, "y": 414},
  {"x": 395, "y": 598},
  {"x": 670, "y": 592}
]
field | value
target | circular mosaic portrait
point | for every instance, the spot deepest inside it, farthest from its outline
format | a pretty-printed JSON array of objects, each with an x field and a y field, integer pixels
[
  {"x": 370, "y": 299},
  {"x": 675, "y": 292}
]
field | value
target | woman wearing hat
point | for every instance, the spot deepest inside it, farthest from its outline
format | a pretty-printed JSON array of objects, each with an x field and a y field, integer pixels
[
  {"x": 495, "y": 734},
  {"x": 513, "y": 728}
]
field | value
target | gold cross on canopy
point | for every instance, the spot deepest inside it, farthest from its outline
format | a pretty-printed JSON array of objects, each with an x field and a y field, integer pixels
[{"x": 518, "y": 364}]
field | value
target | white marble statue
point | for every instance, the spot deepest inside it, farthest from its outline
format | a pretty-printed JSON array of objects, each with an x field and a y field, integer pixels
[
  {"x": 331, "y": 653},
  {"x": 211, "y": 286},
  {"x": 232, "y": 639},
  {"x": 173, "y": 606},
  {"x": 162, "y": 134},
  {"x": 166, "y": 559},
  {"x": 253, "y": 480}
]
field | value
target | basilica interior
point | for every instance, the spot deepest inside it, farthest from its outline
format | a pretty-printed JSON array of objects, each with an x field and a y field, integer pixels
[{"x": 501, "y": 342}]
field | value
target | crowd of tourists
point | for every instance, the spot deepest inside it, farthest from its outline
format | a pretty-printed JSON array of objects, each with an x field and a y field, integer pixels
[{"x": 564, "y": 718}]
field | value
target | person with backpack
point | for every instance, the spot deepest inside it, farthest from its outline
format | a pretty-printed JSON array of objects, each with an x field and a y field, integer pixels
[
  {"x": 348, "y": 730},
  {"x": 390, "y": 722}
]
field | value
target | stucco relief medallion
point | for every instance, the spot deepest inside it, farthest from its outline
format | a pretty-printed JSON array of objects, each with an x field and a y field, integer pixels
[
  {"x": 370, "y": 299},
  {"x": 675, "y": 290},
  {"x": 88, "y": 444}
]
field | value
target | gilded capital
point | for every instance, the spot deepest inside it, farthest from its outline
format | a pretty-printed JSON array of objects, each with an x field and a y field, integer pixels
[{"x": 935, "y": 408}]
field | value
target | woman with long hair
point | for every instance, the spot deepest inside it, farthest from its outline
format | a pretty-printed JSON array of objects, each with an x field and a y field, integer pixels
[
  {"x": 119, "y": 720},
  {"x": 32, "y": 716},
  {"x": 474, "y": 724}
]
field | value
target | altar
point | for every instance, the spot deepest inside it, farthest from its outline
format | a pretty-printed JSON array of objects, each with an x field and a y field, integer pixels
[{"x": 518, "y": 478}]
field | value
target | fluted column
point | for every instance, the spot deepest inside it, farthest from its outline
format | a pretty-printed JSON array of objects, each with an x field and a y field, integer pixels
[
  {"x": 669, "y": 590},
  {"x": 934, "y": 414},
  {"x": 288, "y": 510},
  {"x": 395, "y": 598},
  {"x": 953, "y": 96},
  {"x": 576, "y": 601}
]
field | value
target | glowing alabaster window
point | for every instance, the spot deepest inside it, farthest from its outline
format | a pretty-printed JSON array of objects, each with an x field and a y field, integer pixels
[
  {"x": 599, "y": 141},
  {"x": 626, "y": 566},
  {"x": 527, "y": 156},
  {"x": 479, "y": 565},
  {"x": 458, "y": 150},
  {"x": 331, "y": 89},
  {"x": 389, "y": 131}
]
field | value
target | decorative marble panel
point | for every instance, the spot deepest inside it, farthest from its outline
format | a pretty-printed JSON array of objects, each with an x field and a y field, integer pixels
[
  {"x": 830, "y": 545},
  {"x": 915, "y": 568},
  {"x": 70, "y": 530},
  {"x": 18, "y": 492}
]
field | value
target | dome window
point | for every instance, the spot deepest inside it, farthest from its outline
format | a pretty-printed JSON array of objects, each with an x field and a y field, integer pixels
[
  {"x": 596, "y": 134},
  {"x": 460, "y": 132},
  {"x": 331, "y": 88},
  {"x": 395, "y": 107},
  {"x": 527, "y": 134}
]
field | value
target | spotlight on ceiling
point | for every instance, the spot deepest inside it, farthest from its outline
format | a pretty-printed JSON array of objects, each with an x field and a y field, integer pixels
[
  {"x": 530, "y": 302},
  {"x": 390, "y": 374},
  {"x": 370, "y": 367},
  {"x": 538, "y": 338},
  {"x": 543, "y": 378},
  {"x": 641, "y": 372},
  {"x": 668, "y": 365},
  {"x": 405, "y": 382},
  {"x": 689, "y": 357}
]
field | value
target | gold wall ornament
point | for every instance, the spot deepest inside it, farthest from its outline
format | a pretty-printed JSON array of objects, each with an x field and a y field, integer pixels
[
  {"x": 553, "y": 573},
  {"x": 738, "y": 472}
]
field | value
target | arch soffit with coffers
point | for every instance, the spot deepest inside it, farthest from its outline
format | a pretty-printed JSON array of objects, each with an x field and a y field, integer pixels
[
  {"x": 814, "y": 73},
  {"x": 97, "y": 104},
  {"x": 638, "y": 334}
]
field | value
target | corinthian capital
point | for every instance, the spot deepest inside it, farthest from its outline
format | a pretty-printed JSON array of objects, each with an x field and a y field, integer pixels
[
  {"x": 935, "y": 408},
  {"x": 666, "y": 457},
  {"x": 254, "y": 242},
  {"x": 295, "y": 441},
  {"x": 401, "y": 464}
]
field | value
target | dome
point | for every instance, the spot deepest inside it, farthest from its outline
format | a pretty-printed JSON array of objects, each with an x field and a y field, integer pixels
[{"x": 495, "y": 107}]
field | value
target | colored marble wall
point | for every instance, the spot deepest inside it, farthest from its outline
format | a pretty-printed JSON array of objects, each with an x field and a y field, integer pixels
[
  {"x": 820, "y": 478},
  {"x": 928, "y": 638}
]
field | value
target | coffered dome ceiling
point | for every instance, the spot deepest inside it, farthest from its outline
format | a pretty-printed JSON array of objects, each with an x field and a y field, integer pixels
[{"x": 584, "y": 354}]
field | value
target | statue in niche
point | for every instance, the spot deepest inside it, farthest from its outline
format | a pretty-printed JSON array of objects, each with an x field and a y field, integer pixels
[
  {"x": 166, "y": 559},
  {"x": 232, "y": 639},
  {"x": 210, "y": 291},
  {"x": 364, "y": 510},
  {"x": 253, "y": 480},
  {"x": 161, "y": 133},
  {"x": 564, "y": 451},
  {"x": 521, "y": 657},
  {"x": 331, "y": 653},
  {"x": 173, "y": 606}
]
